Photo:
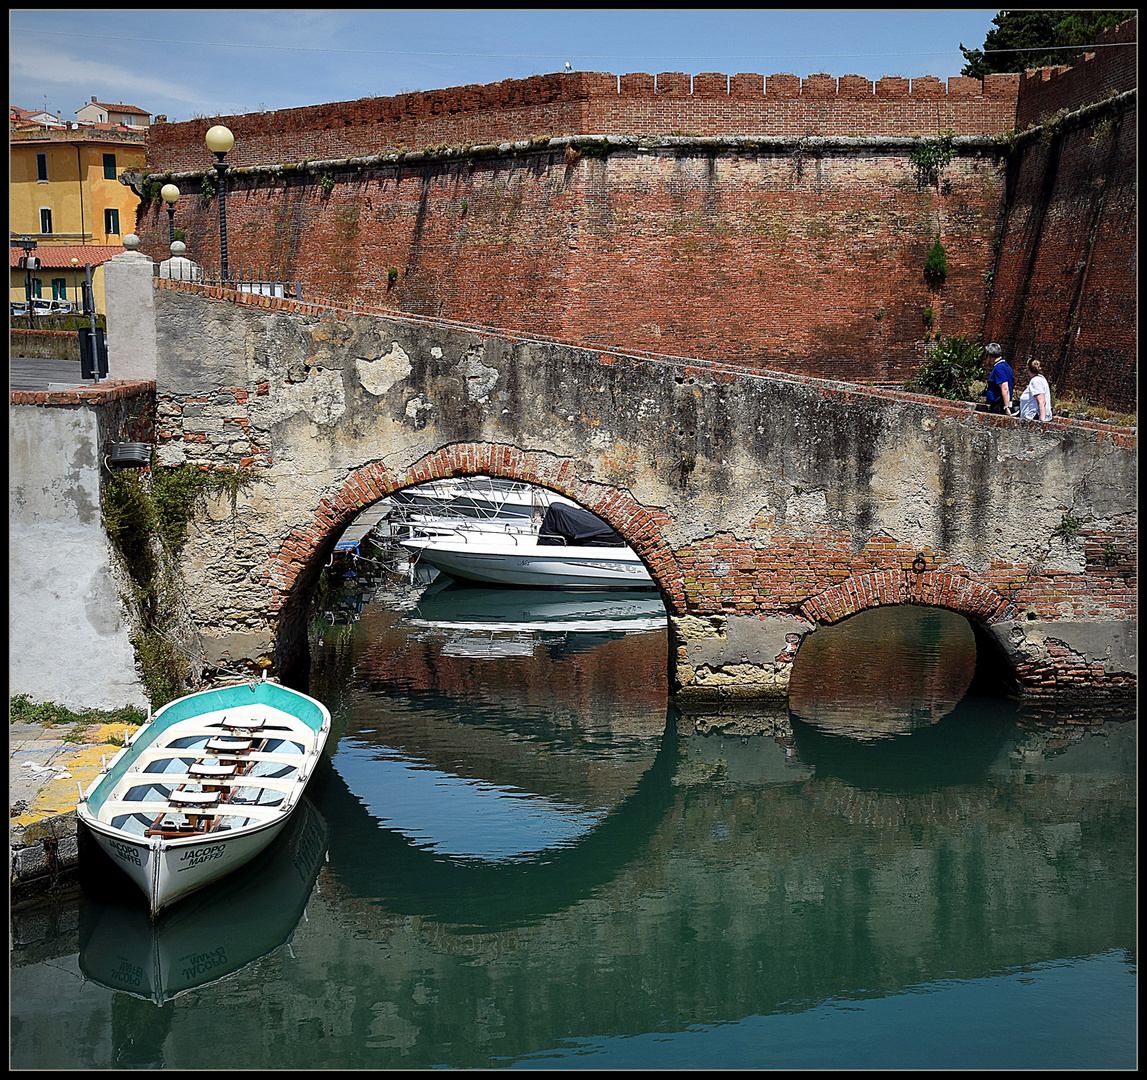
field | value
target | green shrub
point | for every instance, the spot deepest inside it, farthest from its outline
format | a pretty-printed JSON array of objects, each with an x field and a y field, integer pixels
[
  {"x": 936, "y": 265},
  {"x": 950, "y": 367}
]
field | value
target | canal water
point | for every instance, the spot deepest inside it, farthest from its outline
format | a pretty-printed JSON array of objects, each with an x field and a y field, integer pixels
[{"x": 520, "y": 854}]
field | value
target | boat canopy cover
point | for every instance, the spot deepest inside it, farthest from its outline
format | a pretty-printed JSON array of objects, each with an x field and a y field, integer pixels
[{"x": 573, "y": 525}]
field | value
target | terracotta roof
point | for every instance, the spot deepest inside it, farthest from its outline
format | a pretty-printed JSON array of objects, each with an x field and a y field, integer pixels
[
  {"x": 120, "y": 108},
  {"x": 60, "y": 256}
]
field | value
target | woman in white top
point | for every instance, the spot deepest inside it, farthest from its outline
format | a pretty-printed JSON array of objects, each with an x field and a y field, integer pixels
[{"x": 1035, "y": 401}]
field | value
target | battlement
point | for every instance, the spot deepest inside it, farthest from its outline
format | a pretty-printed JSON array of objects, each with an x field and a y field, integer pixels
[
  {"x": 1111, "y": 70},
  {"x": 599, "y": 103}
]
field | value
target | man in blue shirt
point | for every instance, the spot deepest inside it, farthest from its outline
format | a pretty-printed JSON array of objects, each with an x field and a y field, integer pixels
[{"x": 1001, "y": 381}]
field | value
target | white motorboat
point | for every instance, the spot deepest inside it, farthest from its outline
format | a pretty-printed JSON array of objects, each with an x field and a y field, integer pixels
[
  {"x": 572, "y": 549},
  {"x": 205, "y": 785},
  {"x": 480, "y": 497}
]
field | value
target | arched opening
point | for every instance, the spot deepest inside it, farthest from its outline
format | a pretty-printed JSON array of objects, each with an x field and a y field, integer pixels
[
  {"x": 307, "y": 549},
  {"x": 892, "y": 669},
  {"x": 483, "y": 723}
]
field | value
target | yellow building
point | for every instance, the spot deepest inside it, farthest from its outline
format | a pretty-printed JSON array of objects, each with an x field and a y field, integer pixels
[{"x": 65, "y": 192}]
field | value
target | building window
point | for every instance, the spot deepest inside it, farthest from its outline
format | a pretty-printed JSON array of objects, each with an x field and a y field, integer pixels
[
  {"x": 45, "y": 220},
  {"x": 42, "y": 168},
  {"x": 111, "y": 222},
  {"x": 109, "y": 168},
  {"x": 36, "y": 285},
  {"x": 59, "y": 288}
]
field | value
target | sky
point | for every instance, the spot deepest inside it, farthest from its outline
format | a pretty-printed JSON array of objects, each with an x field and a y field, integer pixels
[{"x": 208, "y": 63}]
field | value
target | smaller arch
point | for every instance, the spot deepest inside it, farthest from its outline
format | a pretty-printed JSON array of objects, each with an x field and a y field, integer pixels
[
  {"x": 978, "y": 603},
  {"x": 995, "y": 673}
]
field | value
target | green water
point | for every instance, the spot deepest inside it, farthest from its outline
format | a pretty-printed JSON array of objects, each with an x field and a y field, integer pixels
[{"x": 521, "y": 855}]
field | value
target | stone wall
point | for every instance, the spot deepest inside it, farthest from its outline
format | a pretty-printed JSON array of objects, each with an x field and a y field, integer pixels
[
  {"x": 763, "y": 505},
  {"x": 44, "y": 344}
]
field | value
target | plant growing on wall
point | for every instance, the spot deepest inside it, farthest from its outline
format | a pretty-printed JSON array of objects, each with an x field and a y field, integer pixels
[
  {"x": 950, "y": 367},
  {"x": 931, "y": 157},
  {"x": 146, "y": 520},
  {"x": 327, "y": 183},
  {"x": 936, "y": 265}
]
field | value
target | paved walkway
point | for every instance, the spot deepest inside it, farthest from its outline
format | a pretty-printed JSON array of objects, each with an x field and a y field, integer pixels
[
  {"x": 28, "y": 374},
  {"x": 45, "y": 773}
]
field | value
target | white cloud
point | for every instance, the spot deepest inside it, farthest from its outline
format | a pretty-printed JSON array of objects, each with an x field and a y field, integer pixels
[{"x": 78, "y": 78}]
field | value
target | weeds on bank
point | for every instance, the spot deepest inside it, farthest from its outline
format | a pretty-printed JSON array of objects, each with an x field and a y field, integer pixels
[
  {"x": 1081, "y": 409},
  {"x": 21, "y": 710}
]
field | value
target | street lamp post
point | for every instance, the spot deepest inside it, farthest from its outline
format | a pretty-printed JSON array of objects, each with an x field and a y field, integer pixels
[
  {"x": 219, "y": 141},
  {"x": 169, "y": 193}
]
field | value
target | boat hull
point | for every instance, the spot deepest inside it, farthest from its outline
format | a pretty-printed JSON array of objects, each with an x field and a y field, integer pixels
[
  {"x": 167, "y": 871},
  {"x": 536, "y": 565},
  {"x": 205, "y": 786}
]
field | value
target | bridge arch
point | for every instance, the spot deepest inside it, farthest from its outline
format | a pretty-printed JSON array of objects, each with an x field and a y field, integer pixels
[
  {"x": 978, "y": 603},
  {"x": 295, "y": 565},
  {"x": 997, "y": 671}
]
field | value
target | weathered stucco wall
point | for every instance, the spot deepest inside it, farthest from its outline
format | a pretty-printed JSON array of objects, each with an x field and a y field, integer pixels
[
  {"x": 763, "y": 505},
  {"x": 68, "y": 635}
]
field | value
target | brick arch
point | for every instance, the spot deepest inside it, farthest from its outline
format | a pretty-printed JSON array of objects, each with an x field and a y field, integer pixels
[
  {"x": 978, "y": 603},
  {"x": 642, "y": 528}
]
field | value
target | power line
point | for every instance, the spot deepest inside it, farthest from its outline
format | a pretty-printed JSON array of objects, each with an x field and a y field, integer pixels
[
  {"x": 487, "y": 56},
  {"x": 1057, "y": 48}
]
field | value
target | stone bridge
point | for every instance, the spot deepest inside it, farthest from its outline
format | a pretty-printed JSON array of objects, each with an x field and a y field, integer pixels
[{"x": 764, "y": 505}]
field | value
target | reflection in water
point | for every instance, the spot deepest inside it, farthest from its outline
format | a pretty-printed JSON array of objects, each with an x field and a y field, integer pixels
[
  {"x": 465, "y": 819},
  {"x": 245, "y": 916},
  {"x": 962, "y": 894},
  {"x": 883, "y": 672}
]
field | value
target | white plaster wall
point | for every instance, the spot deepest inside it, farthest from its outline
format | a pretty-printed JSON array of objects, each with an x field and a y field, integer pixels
[{"x": 68, "y": 637}]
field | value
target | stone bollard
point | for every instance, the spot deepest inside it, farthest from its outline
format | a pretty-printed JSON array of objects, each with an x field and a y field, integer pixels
[{"x": 129, "y": 296}]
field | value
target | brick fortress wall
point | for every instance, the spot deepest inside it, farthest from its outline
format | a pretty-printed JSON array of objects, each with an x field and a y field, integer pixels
[
  {"x": 767, "y": 221},
  {"x": 1065, "y": 288}
]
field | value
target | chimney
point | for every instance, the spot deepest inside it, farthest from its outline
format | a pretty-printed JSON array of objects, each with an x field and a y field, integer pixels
[{"x": 93, "y": 98}]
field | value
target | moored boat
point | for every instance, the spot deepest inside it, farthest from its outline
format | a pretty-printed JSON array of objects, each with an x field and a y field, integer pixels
[
  {"x": 244, "y": 917},
  {"x": 573, "y": 549},
  {"x": 205, "y": 785}
]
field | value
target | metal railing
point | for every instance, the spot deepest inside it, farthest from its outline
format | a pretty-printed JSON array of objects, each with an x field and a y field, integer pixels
[{"x": 258, "y": 281}]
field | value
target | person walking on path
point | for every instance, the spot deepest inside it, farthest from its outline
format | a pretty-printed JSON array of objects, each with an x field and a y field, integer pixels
[
  {"x": 1035, "y": 401},
  {"x": 1001, "y": 381}
]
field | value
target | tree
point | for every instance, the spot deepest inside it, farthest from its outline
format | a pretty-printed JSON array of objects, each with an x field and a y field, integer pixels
[{"x": 1043, "y": 38}]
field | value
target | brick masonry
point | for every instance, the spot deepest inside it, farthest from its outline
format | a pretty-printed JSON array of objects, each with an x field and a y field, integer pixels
[{"x": 759, "y": 220}]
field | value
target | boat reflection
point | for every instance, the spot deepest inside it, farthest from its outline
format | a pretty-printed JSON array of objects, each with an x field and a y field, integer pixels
[
  {"x": 239, "y": 920},
  {"x": 491, "y": 622}
]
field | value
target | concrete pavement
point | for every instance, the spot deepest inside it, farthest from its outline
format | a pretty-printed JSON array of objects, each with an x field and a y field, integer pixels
[{"x": 46, "y": 767}]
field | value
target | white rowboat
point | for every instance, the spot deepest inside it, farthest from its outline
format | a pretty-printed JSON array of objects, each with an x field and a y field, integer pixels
[{"x": 205, "y": 785}]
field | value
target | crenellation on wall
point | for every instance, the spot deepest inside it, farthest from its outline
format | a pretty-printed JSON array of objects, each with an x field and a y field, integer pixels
[
  {"x": 573, "y": 103},
  {"x": 1112, "y": 69}
]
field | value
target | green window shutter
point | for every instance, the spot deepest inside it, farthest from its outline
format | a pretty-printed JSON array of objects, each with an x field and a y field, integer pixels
[
  {"x": 111, "y": 222},
  {"x": 59, "y": 288},
  {"x": 109, "y": 166},
  {"x": 41, "y": 166}
]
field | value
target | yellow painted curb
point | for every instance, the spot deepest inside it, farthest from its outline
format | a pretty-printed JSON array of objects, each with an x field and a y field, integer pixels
[{"x": 59, "y": 796}]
